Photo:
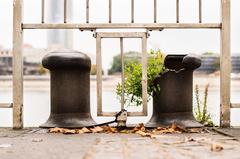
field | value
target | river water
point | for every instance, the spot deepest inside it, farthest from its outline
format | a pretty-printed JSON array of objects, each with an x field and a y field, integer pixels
[{"x": 37, "y": 107}]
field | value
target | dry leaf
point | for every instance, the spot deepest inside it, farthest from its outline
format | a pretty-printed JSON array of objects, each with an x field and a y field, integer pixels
[
  {"x": 140, "y": 127},
  {"x": 69, "y": 131},
  {"x": 56, "y": 130},
  {"x": 177, "y": 128},
  {"x": 216, "y": 147},
  {"x": 109, "y": 129},
  {"x": 79, "y": 131},
  {"x": 85, "y": 130},
  {"x": 97, "y": 129},
  {"x": 174, "y": 126},
  {"x": 143, "y": 134},
  {"x": 146, "y": 134},
  {"x": 160, "y": 128}
]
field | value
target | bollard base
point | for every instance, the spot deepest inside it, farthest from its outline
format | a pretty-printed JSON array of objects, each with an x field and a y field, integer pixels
[
  {"x": 184, "y": 119},
  {"x": 69, "y": 120}
]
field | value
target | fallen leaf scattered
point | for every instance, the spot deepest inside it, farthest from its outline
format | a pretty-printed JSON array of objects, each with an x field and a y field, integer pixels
[
  {"x": 97, "y": 129},
  {"x": 139, "y": 129},
  {"x": 109, "y": 129},
  {"x": 85, "y": 130},
  {"x": 69, "y": 131},
  {"x": 56, "y": 130}
]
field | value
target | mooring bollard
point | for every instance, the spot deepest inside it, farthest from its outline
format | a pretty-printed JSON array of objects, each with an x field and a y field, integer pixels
[
  {"x": 70, "y": 89},
  {"x": 174, "y": 102}
]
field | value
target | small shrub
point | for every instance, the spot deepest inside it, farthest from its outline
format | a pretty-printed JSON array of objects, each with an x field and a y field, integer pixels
[{"x": 133, "y": 78}]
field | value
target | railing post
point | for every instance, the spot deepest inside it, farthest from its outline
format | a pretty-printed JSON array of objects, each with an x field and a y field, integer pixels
[
  {"x": 225, "y": 64},
  {"x": 17, "y": 64}
]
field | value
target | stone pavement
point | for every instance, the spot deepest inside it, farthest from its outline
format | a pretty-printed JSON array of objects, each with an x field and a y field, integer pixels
[{"x": 37, "y": 144}]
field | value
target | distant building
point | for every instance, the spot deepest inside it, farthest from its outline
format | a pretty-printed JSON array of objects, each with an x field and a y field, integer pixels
[
  {"x": 59, "y": 37},
  {"x": 31, "y": 60},
  {"x": 5, "y": 62},
  {"x": 211, "y": 63}
]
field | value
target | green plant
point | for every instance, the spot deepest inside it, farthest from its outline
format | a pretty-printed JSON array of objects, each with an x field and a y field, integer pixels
[
  {"x": 133, "y": 78},
  {"x": 201, "y": 113}
]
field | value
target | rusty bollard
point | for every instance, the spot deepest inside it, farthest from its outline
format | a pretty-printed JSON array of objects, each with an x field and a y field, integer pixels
[
  {"x": 174, "y": 102},
  {"x": 70, "y": 89}
]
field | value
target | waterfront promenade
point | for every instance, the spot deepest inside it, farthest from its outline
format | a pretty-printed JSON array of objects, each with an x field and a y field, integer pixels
[{"x": 36, "y": 143}]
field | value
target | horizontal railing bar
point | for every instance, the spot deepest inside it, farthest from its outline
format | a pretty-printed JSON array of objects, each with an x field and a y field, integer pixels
[
  {"x": 6, "y": 105},
  {"x": 235, "y": 105},
  {"x": 122, "y": 26},
  {"x": 110, "y": 114},
  {"x": 121, "y": 34}
]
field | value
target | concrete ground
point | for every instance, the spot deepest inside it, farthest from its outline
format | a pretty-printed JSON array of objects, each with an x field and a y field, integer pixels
[{"x": 38, "y": 144}]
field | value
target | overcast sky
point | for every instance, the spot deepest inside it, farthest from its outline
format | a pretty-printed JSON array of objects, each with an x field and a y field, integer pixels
[{"x": 169, "y": 41}]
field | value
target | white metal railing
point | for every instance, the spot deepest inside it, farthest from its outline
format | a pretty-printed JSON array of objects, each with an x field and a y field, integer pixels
[
  {"x": 87, "y": 25},
  {"x": 19, "y": 26}
]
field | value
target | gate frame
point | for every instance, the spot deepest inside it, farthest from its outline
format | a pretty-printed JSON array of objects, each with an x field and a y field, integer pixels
[
  {"x": 225, "y": 61},
  {"x": 121, "y": 36}
]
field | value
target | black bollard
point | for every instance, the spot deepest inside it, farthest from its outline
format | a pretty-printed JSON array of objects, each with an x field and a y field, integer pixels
[
  {"x": 174, "y": 102},
  {"x": 70, "y": 89}
]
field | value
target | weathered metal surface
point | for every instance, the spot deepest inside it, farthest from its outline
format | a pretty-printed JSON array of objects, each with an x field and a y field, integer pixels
[
  {"x": 225, "y": 65},
  {"x": 155, "y": 11},
  {"x": 174, "y": 102},
  {"x": 200, "y": 11},
  {"x": 89, "y": 26},
  {"x": 65, "y": 11},
  {"x": 122, "y": 73},
  {"x": 43, "y": 11},
  {"x": 87, "y": 11},
  {"x": 70, "y": 89},
  {"x": 235, "y": 105},
  {"x": 17, "y": 64},
  {"x": 110, "y": 11},
  {"x": 144, "y": 75},
  {"x": 6, "y": 105},
  {"x": 99, "y": 74},
  {"x": 132, "y": 11},
  {"x": 177, "y": 11}
]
